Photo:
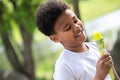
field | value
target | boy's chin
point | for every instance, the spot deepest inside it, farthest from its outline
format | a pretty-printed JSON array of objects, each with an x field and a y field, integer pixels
[{"x": 85, "y": 40}]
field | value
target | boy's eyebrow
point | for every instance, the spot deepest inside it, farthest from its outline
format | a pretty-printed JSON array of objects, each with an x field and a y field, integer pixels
[
  {"x": 68, "y": 23},
  {"x": 74, "y": 17}
]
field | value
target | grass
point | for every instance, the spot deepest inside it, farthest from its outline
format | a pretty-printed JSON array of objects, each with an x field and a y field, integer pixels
[
  {"x": 45, "y": 67},
  {"x": 91, "y": 9}
]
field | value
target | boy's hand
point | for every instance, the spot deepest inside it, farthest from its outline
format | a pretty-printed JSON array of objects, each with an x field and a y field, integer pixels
[{"x": 103, "y": 67}]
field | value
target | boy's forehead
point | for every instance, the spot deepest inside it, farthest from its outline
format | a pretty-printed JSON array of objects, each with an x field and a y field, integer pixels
[
  {"x": 64, "y": 18},
  {"x": 68, "y": 13}
]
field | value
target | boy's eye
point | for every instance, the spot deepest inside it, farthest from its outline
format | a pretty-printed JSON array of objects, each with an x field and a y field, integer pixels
[
  {"x": 75, "y": 21},
  {"x": 68, "y": 28}
]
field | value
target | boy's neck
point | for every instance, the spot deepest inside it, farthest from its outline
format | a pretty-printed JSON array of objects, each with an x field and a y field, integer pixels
[{"x": 82, "y": 48}]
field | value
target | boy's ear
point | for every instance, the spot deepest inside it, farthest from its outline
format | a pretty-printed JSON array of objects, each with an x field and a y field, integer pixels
[{"x": 54, "y": 38}]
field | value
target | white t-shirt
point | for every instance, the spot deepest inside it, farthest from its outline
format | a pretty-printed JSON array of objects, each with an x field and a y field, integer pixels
[{"x": 77, "y": 66}]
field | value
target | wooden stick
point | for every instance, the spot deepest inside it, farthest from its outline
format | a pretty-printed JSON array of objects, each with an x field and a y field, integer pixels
[{"x": 115, "y": 73}]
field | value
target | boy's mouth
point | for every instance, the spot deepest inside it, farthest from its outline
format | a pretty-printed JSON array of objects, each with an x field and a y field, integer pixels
[{"x": 79, "y": 34}]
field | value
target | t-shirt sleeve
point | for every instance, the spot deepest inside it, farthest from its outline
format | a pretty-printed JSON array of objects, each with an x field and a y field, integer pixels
[{"x": 63, "y": 73}]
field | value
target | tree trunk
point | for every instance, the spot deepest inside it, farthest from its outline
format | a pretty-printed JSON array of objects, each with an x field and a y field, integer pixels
[
  {"x": 115, "y": 53},
  {"x": 11, "y": 54},
  {"x": 76, "y": 8},
  {"x": 27, "y": 51}
]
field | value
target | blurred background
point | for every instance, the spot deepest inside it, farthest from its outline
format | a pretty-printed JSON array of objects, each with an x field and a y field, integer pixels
[{"x": 26, "y": 54}]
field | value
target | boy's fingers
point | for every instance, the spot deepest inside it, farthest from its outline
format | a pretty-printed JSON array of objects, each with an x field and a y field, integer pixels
[
  {"x": 107, "y": 59},
  {"x": 109, "y": 63},
  {"x": 104, "y": 56}
]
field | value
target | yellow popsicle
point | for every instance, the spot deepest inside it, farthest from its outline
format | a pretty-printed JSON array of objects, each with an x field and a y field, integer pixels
[{"x": 97, "y": 36}]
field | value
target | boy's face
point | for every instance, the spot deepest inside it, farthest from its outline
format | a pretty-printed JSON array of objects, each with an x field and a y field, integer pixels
[{"x": 69, "y": 30}]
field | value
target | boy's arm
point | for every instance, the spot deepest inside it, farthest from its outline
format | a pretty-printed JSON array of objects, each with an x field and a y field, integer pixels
[{"x": 103, "y": 67}]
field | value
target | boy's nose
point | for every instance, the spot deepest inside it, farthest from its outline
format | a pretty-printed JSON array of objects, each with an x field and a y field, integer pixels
[{"x": 77, "y": 28}]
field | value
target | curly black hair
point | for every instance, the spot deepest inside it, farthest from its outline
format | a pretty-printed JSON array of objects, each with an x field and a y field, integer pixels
[{"x": 47, "y": 14}]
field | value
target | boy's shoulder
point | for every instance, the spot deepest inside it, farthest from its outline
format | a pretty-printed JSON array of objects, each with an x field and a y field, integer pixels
[{"x": 92, "y": 44}]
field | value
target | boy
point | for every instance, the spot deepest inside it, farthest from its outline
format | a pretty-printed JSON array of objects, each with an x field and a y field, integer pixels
[{"x": 79, "y": 60}]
